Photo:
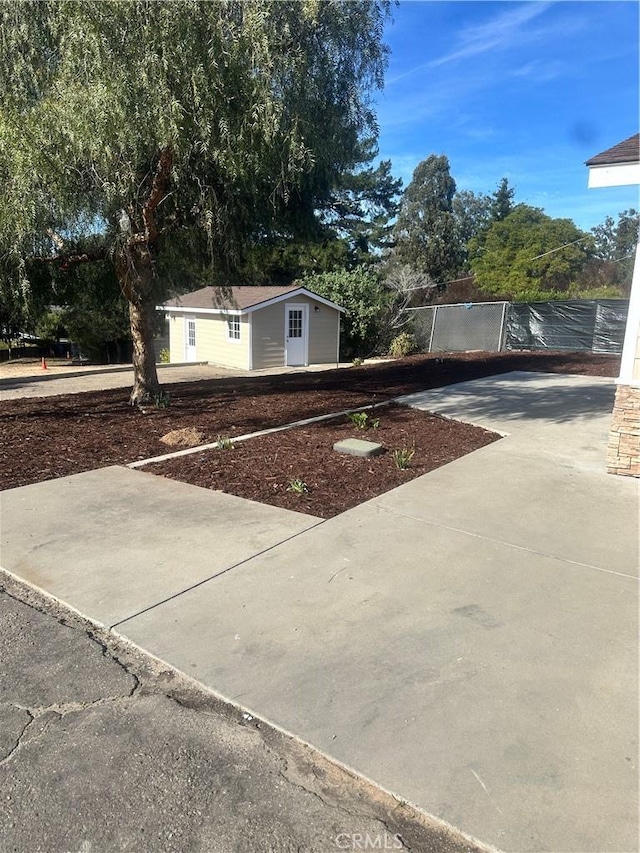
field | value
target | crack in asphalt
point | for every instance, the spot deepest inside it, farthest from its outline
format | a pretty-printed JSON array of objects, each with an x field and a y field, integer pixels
[
  {"x": 25, "y": 735},
  {"x": 187, "y": 694}
]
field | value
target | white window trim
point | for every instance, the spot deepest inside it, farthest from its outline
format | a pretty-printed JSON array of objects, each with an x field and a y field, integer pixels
[{"x": 235, "y": 319}]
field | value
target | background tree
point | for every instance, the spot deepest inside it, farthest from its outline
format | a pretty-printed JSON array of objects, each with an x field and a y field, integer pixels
[
  {"x": 144, "y": 121},
  {"x": 15, "y": 317},
  {"x": 472, "y": 217},
  {"x": 611, "y": 269},
  {"x": 425, "y": 231},
  {"x": 530, "y": 256},
  {"x": 502, "y": 201},
  {"x": 361, "y": 293},
  {"x": 406, "y": 288},
  {"x": 361, "y": 208},
  {"x": 353, "y": 227}
]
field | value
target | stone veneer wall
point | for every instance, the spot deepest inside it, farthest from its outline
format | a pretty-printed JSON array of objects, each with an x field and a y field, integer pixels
[{"x": 623, "y": 452}]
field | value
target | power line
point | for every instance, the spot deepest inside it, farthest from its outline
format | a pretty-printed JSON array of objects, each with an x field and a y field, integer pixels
[{"x": 544, "y": 254}]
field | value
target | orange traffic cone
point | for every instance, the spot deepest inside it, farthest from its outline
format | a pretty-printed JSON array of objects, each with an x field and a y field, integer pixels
[{"x": 44, "y": 363}]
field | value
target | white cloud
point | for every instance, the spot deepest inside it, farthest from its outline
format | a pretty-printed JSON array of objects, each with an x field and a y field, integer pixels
[{"x": 501, "y": 31}]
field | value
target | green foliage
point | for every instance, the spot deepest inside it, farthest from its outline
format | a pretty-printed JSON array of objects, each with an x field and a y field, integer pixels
[
  {"x": 359, "y": 419},
  {"x": 281, "y": 260},
  {"x": 361, "y": 294},
  {"x": 297, "y": 486},
  {"x": 224, "y": 442},
  {"x": 426, "y": 228},
  {"x": 362, "y": 205},
  {"x": 357, "y": 361},
  {"x": 353, "y": 227},
  {"x": 163, "y": 124},
  {"x": 165, "y": 356},
  {"x": 94, "y": 311},
  {"x": 49, "y": 326},
  {"x": 402, "y": 345},
  {"x": 502, "y": 201},
  {"x": 472, "y": 215},
  {"x": 611, "y": 270},
  {"x": 162, "y": 400},
  {"x": 402, "y": 457},
  {"x": 529, "y": 256}
]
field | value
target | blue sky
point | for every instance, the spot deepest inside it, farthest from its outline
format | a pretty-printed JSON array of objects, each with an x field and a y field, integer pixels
[{"x": 523, "y": 90}]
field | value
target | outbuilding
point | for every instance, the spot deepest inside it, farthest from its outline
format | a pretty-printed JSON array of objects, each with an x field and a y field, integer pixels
[{"x": 253, "y": 328}]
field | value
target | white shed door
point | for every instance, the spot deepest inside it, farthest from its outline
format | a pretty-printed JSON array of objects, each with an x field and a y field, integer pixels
[
  {"x": 190, "y": 353},
  {"x": 296, "y": 334}
]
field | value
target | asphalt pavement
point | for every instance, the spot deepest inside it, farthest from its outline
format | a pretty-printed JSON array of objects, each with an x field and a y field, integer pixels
[{"x": 104, "y": 749}]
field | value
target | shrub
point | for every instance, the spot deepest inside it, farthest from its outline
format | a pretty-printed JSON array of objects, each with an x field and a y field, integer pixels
[
  {"x": 297, "y": 486},
  {"x": 359, "y": 419},
  {"x": 165, "y": 356},
  {"x": 224, "y": 442},
  {"x": 402, "y": 457},
  {"x": 402, "y": 345}
]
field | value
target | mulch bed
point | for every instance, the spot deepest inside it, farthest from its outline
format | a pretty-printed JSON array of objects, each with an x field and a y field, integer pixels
[
  {"x": 48, "y": 437},
  {"x": 263, "y": 468}
]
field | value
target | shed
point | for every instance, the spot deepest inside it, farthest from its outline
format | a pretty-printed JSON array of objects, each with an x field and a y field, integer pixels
[
  {"x": 620, "y": 166},
  {"x": 253, "y": 328}
]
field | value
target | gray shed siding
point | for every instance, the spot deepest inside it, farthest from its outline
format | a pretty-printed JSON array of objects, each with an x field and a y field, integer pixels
[{"x": 268, "y": 328}]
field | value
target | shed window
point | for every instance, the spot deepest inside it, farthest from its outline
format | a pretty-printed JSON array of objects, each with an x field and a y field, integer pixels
[{"x": 233, "y": 328}]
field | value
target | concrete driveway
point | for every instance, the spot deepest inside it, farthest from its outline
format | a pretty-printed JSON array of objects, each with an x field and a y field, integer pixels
[
  {"x": 469, "y": 641},
  {"x": 18, "y": 380}
]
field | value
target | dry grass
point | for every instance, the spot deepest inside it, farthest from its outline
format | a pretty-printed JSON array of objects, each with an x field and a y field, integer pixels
[{"x": 185, "y": 437}]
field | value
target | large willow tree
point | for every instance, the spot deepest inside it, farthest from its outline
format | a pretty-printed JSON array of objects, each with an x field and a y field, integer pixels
[{"x": 127, "y": 126}]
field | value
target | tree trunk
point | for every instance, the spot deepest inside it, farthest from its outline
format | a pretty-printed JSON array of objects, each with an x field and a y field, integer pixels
[
  {"x": 135, "y": 275},
  {"x": 145, "y": 376},
  {"x": 135, "y": 271}
]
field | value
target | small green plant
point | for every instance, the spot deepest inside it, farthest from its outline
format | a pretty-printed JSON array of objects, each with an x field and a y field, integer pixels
[
  {"x": 359, "y": 419},
  {"x": 375, "y": 423},
  {"x": 402, "y": 345},
  {"x": 162, "y": 400},
  {"x": 357, "y": 361},
  {"x": 297, "y": 486},
  {"x": 165, "y": 356},
  {"x": 402, "y": 457},
  {"x": 224, "y": 442}
]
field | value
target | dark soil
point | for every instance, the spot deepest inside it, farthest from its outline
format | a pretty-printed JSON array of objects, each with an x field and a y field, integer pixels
[
  {"x": 264, "y": 467},
  {"x": 48, "y": 437}
]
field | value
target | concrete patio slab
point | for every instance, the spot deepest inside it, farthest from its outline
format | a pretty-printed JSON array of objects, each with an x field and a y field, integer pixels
[
  {"x": 112, "y": 542},
  {"x": 507, "y": 493},
  {"x": 492, "y": 686},
  {"x": 526, "y": 401}
]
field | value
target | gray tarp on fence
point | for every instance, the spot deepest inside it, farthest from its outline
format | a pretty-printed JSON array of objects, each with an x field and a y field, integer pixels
[{"x": 596, "y": 325}]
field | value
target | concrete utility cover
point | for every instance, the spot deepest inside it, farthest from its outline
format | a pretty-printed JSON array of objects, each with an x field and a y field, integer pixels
[{"x": 358, "y": 447}]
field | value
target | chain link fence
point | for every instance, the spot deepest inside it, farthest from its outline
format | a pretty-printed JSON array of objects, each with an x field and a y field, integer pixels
[{"x": 459, "y": 328}]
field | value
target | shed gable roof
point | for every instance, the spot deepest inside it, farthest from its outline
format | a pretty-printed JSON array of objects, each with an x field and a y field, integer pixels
[
  {"x": 227, "y": 297},
  {"x": 239, "y": 299},
  {"x": 627, "y": 151}
]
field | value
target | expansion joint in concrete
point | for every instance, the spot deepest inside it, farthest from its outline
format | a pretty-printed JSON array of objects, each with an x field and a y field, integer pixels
[{"x": 215, "y": 576}]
